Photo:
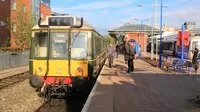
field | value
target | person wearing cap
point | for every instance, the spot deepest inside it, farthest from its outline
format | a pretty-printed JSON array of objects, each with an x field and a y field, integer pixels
[
  {"x": 129, "y": 55},
  {"x": 117, "y": 50}
]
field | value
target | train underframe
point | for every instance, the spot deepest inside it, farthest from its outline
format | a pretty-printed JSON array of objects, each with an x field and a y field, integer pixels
[{"x": 58, "y": 87}]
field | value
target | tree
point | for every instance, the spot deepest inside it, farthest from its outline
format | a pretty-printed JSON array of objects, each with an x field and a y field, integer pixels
[
  {"x": 110, "y": 40},
  {"x": 21, "y": 28},
  {"x": 20, "y": 24}
]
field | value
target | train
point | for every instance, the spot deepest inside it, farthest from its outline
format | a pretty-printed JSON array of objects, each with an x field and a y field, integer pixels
[
  {"x": 66, "y": 54},
  {"x": 171, "y": 44}
]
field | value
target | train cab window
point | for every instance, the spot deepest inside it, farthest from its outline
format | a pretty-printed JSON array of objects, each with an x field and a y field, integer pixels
[
  {"x": 79, "y": 45},
  {"x": 40, "y": 44},
  {"x": 59, "y": 45}
]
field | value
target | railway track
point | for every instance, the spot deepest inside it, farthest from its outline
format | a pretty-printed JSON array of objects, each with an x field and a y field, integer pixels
[
  {"x": 13, "y": 79},
  {"x": 73, "y": 103},
  {"x": 55, "y": 105}
]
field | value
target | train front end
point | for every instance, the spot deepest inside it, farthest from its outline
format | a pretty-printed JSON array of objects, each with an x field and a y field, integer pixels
[{"x": 58, "y": 59}]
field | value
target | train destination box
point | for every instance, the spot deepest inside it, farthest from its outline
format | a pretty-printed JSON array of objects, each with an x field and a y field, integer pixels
[{"x": 61, "y": 20}]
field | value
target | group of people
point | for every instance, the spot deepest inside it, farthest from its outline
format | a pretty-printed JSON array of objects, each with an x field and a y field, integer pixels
[
  {"x": 129, "y": 55},
  {"x": 128, "y": 50}
]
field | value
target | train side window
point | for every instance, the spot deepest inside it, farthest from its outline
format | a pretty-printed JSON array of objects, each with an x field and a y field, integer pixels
[
  {"x": 79, "y": 45},
  {"x": 94, "y": 44},
  {"x": 96, "y": 47}
]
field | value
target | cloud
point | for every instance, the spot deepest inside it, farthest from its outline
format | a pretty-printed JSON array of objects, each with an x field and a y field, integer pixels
[{"x": 187, "y": 13}]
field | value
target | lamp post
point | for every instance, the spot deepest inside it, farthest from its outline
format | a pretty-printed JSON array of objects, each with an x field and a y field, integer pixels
[
  {"x": 152, "y": 47},
  {"x": 160, "y": 56},
  {"x": 141, "y": 23},
  {"x": 154, "y": 24},
  {"x": 182, "y": 43}
]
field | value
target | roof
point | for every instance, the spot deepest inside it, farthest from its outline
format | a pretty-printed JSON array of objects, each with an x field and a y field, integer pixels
[
  {"x": 133, "y": 28},
  {"x": 165, "y": 34},
  {"x": 195, "y": 31}
]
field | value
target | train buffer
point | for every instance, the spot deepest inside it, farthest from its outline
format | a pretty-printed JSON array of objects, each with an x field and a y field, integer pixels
[{"x": 113, "y": 89}]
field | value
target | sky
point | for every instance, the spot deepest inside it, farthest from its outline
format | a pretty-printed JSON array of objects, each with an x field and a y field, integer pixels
[{"x": 108, "y": 14}]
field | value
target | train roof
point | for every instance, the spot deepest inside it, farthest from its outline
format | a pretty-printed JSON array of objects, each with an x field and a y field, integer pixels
[{"x": 165, "y": 34}]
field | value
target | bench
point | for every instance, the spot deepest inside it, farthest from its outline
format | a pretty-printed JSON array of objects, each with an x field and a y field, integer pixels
[{"x": 177, "y": 64}]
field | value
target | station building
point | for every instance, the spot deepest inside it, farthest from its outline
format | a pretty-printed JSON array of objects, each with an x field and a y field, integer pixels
[{"x": 137, "y": 32}]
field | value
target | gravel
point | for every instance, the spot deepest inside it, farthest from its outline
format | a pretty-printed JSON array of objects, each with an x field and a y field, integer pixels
[{"x": 20, "y": 97}]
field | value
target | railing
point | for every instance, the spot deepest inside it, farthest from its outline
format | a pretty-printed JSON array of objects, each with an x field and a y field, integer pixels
[{"x": 11, "y": 59}]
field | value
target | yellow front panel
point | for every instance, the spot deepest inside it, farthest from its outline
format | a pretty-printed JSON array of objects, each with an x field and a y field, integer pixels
[{"x": 60, "y": 68}]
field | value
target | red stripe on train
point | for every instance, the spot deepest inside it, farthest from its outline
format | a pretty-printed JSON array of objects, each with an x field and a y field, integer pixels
[{"x": 51, "y": 80}]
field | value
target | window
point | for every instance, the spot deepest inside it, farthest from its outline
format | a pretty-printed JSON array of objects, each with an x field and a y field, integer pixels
[
  {"x": 14, "y": 28},
  {"x": 59, "y": 45},
  {"x": 195, "y": 44},
  {"x": 40, "y": 43},
  {"x": 2, "y": 23},
  {"x": 13, "y": 4},
  {"x": 61, "y": 21},
  {"x": 24, "y": 8},
  {"x": 79, "y": 45},
  {"x": 42, "y": 16}
]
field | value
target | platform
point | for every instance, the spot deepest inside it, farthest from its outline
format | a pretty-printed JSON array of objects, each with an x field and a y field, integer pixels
[
  {"x": 147, "y": 89},
  {"x": 147, "y": 57}
]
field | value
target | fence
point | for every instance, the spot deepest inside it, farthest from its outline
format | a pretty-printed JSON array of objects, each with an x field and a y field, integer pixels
[{"x": 11, "y": 60}]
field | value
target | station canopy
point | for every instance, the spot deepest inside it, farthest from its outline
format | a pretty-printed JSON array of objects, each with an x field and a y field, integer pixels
[{"x": 133, "y": 28}]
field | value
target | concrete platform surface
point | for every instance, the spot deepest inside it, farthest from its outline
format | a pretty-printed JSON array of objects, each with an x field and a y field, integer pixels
[{"x": 147, "y": 89}]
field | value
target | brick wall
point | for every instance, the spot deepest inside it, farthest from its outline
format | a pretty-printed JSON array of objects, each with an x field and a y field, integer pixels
[
  {"x": 16, "y": 16},
  {"x": 139, "y": 37},
  {"x": 45, "y": 11},
  {"x": 4, "y": 15}
]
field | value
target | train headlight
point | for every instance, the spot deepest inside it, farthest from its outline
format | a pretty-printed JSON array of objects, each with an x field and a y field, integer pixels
[
  {"x": 59, "y": 71},
  {"x": 79, "y": 69}
]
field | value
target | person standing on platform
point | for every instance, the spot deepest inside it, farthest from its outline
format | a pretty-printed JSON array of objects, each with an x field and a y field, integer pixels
[
  {"x": 139, "y": 51},
  {"x": 117, "y": 50},
  {"x": 195, "y": 58},
  {"x": 111, "y": 53},
  {"x": 129, "y": 56}
]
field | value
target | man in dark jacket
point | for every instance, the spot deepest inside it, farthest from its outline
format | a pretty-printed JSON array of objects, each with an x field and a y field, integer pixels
[
  {"x": 129, "y": 56},
  {"x": 117, "y": 50}
]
